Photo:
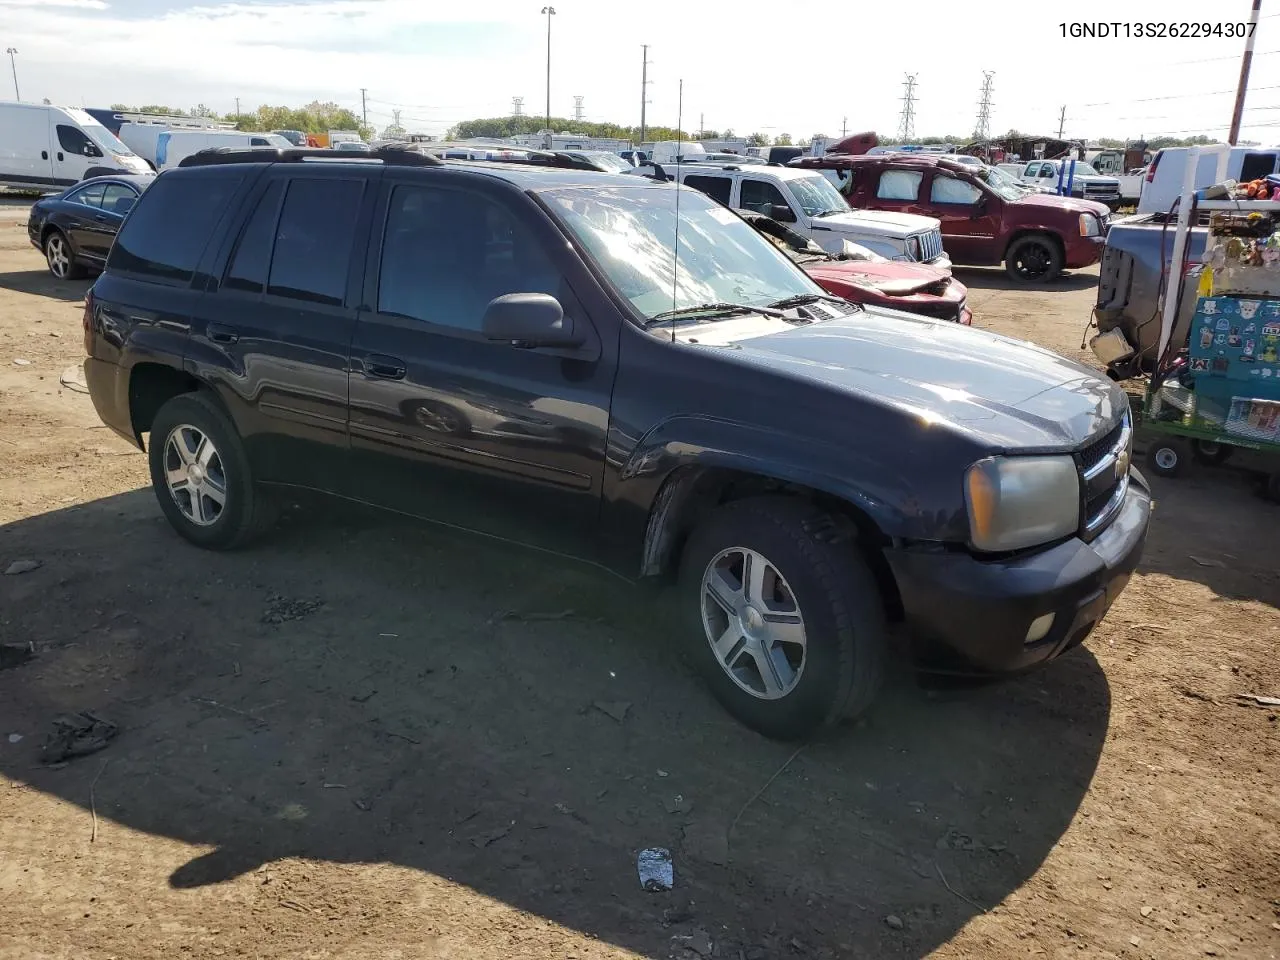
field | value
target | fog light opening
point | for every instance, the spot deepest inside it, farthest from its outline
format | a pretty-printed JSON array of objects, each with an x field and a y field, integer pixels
[{"x": 1040, "y": 628}]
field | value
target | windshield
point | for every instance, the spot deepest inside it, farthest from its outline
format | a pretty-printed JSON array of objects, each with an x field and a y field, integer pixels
[
  {"x": 998, "y": 180},
  {"x": 104, "y": 138},
  {"x": 631, "y": 234},
  {"x": 612, "y": 163},
  {"x": 1083, "y": 169},
  {"x": 816, "y": 196}
]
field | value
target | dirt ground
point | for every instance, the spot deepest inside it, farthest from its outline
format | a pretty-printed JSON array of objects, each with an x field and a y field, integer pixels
[{"x": 365, "y": 738}]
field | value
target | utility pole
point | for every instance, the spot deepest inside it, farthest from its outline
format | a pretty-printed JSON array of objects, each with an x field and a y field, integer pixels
[
  {"x": 13, "y": 52},
  {"x": 517, "y": 106},
  {"x": 578, "y": 114},
  {"x": 702, "y": 126},
  {"x": 644, "y": 86},
  {"x": 982, "y": 129},
  {"x": 1062, "y": 121},
  {"x": 395, "y": 120},
  {"x": 907, "y": 122},
  {"x": 1243, "y": 86},
  {"x": 364, "y": 106},
  {"x": 549, "y": 12},
  {"x": 237, "y": 107}
]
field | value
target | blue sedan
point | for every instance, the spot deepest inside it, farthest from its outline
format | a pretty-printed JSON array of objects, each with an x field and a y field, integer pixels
[{"x": 74, "y": 229}]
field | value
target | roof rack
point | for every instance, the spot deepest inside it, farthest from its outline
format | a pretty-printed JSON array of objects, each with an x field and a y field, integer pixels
[{"x": 408, "y": 155}]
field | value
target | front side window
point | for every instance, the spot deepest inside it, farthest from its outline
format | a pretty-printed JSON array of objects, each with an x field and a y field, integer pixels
[
  {"x": 952, "y": 190},
  {"x": 899, "y": 185},
  {"x": 447, "y": 253},
  {"x": 817, "y": 197},
  {"x": 630, "y": 232},
  {"x": 90, "y": 196},
  {"x": 313, "y": 240},
  {"x": 72, "y": 140},
  {"x": 761, "y": 196},
  {"x": 164, "y": 238},
  {"x": 718, "y": 188}
]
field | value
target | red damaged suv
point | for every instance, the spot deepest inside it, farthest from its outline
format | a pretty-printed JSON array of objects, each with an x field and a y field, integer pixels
[{"x": 987, "y": 218}]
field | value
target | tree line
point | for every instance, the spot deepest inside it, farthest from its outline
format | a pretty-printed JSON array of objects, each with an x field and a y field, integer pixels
[{"x": 315, "y": 117}]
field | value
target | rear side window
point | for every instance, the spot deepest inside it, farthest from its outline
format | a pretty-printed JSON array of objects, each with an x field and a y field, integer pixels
[
  {"x": 899, "y": 185},
  {"x": 117, "y": 198},
  {"x": 259, "y": 142},
  {"x": 313, "y": 240},
  {"x": 248, "y": 268},
  {"x": 1255, "y": 166},
  {"x": 165, "y": 236},
  {"x": 717, "y": 188},
  {"x": 90, "y": 196}
]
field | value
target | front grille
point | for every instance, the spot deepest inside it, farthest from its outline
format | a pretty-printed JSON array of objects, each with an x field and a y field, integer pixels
[
  {"x": 929, "y": 245},
  {"x": 1104, "y": 476}
]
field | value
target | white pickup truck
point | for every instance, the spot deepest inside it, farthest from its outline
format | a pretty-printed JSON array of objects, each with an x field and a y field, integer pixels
[
  {"x": 806, "y": 201},
  {"x": 1086, "y": 182}
]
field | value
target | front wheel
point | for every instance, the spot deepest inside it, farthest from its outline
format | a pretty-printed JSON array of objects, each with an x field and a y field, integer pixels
[
  {"x": 201, "y": 475},
  {"x": 1035, "y": 258},
  {"x": 786, "y": 629},
  {"x": 1210, "y": 453},
  {"x": 1166, "y": 458},
  {"x": 60, "y": 257}
]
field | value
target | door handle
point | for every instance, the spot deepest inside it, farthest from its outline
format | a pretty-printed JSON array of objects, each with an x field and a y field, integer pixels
[
  {"x": 101, "y": 218},
  {"x": 44, "y": 154},
  {"x": 59, "y": 154},
  {"x": 379, "y": 367},
  {"x": 222, "y": 334}
]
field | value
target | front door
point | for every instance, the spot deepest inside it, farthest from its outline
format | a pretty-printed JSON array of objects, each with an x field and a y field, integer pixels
[
  {"x": 73, "y": 154},
  {"x": 969, "y": 216},
  {"x": 447, "y": 425},
  {"x": 277, "y": 327},
  {"x": 80, "y": 207}
]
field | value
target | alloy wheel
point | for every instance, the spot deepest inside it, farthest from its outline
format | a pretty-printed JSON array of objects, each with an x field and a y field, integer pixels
[
  {"x": 58, "y": 255},
  {"x": 195, "y": 475},
  {"x": 753, "y": 623}
]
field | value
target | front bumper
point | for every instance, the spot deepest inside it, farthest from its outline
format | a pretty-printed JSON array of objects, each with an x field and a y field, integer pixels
[{"x": 975, "y": 615}]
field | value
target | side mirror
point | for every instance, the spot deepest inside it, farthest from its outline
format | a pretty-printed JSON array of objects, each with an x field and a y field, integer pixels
[
  {"x": 91, "y": 151},
  {"x": 528, "y": 320},
  {"x": 782, "y": 213}
]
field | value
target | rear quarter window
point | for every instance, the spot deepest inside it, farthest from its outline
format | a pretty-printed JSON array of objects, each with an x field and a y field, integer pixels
[{"x": 171, "y": 225}]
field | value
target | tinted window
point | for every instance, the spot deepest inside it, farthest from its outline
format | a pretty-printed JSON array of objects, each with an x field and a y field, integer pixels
[
  {"x": 446, "y": 254},
  {"x": 760, "y": 196},
  {"x": 89, "y": 196},
  {"x": 248, "y": 268},
  {"x": 1255, "y": 166},
  {"x": 167, "y": 233},
  {"x": 73, "y": 140},
  {"x": 313, "y": 240},
  {"x": 718, "y": 188},
  {"x": 952, "y": 190},
  {"x": 899, "y": 185},
  {"x": 259, "y": 142},
  {"x": 117, "y": 198}
]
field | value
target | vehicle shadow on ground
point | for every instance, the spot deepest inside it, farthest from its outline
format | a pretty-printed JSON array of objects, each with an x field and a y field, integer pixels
[
  {"x": 43, "y": 284},
  {"x": 994, "y": 278},
  {"x": 481, "y": 714}
]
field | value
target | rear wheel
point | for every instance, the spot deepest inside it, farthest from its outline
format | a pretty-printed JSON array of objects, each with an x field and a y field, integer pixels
[
  {"x": 1211, "y": 453},
  {"x": 201, "y": 475},
  {"x": 787, "y": 630},
  {"x": 60, "y": 258},
  {"x": 1034, "y": 258},
  {"x": 1166, "y": 458}
]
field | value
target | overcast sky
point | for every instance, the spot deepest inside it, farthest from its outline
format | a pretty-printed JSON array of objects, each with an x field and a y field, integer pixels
[{"x": 799, "y": 67}]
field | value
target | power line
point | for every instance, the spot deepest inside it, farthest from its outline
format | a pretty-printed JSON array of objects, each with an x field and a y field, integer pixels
[{"x": 1176, "y": 96}]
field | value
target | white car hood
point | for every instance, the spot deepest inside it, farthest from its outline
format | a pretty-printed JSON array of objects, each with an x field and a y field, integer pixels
[{"x": 881, "y": 222}]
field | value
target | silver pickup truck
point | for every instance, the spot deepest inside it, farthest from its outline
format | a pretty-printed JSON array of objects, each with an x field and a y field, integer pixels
[{"x": 1130, "y": 284}]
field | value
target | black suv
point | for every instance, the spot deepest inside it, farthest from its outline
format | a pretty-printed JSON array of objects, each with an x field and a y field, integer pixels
[{"x": 513, "y": 349}]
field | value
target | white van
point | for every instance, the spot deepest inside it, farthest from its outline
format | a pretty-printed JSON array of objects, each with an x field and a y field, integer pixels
[
  {"x": 687, "y": 151},
  {"x": 51, "y": 148},
  {"x": 142, "y": 135},
  {"x": 1169, "y": 167},
  {"x": 173, "y": 145}
]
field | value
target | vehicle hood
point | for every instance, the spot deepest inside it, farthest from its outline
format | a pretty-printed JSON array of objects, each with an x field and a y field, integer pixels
[
  {"x": 1065, "y": 204},
  {"x": 1007, "y": 395},
  {"x": 1097, "y": 181},
  {"x": 880, "y": 222},
  {"x": 893, "y": 278}
]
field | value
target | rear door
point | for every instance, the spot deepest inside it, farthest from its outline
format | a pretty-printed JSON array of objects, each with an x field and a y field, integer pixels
[
  {"x": 896, "y": 189},
  {"x": 275, "y": 327},
  {"x": 450, "y": 426}
]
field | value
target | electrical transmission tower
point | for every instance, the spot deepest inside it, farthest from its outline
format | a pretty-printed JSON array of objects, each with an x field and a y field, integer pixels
[
  {"x": 907, "y": 123},
  {"x": 982, "y": 129},
  {"x": 578, "y": 114},
  {"x": 517, "y": 106}
]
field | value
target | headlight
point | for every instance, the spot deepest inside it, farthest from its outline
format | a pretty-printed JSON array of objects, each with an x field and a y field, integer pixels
[
  {"x": 1017, "y": 502},
  {"x": 1089, "y": 225}
]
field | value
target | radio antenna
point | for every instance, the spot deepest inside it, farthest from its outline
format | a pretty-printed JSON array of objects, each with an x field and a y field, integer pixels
[{"x": 675, "y": 251}]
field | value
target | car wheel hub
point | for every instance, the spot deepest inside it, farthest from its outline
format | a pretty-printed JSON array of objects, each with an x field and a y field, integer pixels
[
  {"x": 1166, "y": 459},
  {"x": 753, "y": 623},
  {"x": 194, "y": 475}
]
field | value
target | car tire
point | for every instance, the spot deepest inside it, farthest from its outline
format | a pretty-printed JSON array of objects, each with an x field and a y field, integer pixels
[
  {"x": 1033, "y": 258},
  {"x": 60, "y": 257},
  {"x": 217, "y": 505},
  {"x": 1166, "y": 458},
  {"x": 822, "y": 594},
  {"x": 1210, "y": 453}
]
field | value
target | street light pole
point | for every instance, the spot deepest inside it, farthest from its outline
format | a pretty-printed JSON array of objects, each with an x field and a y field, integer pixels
[
  {"x": 12, "y": 52},
  {"x": 550, "y": 12}
]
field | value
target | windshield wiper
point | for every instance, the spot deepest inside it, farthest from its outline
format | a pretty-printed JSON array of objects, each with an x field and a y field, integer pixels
[
  {"x": 800, "y": 299},
  {"x": 830, "y": 213},
  {"x": 711, "y": 310}
]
